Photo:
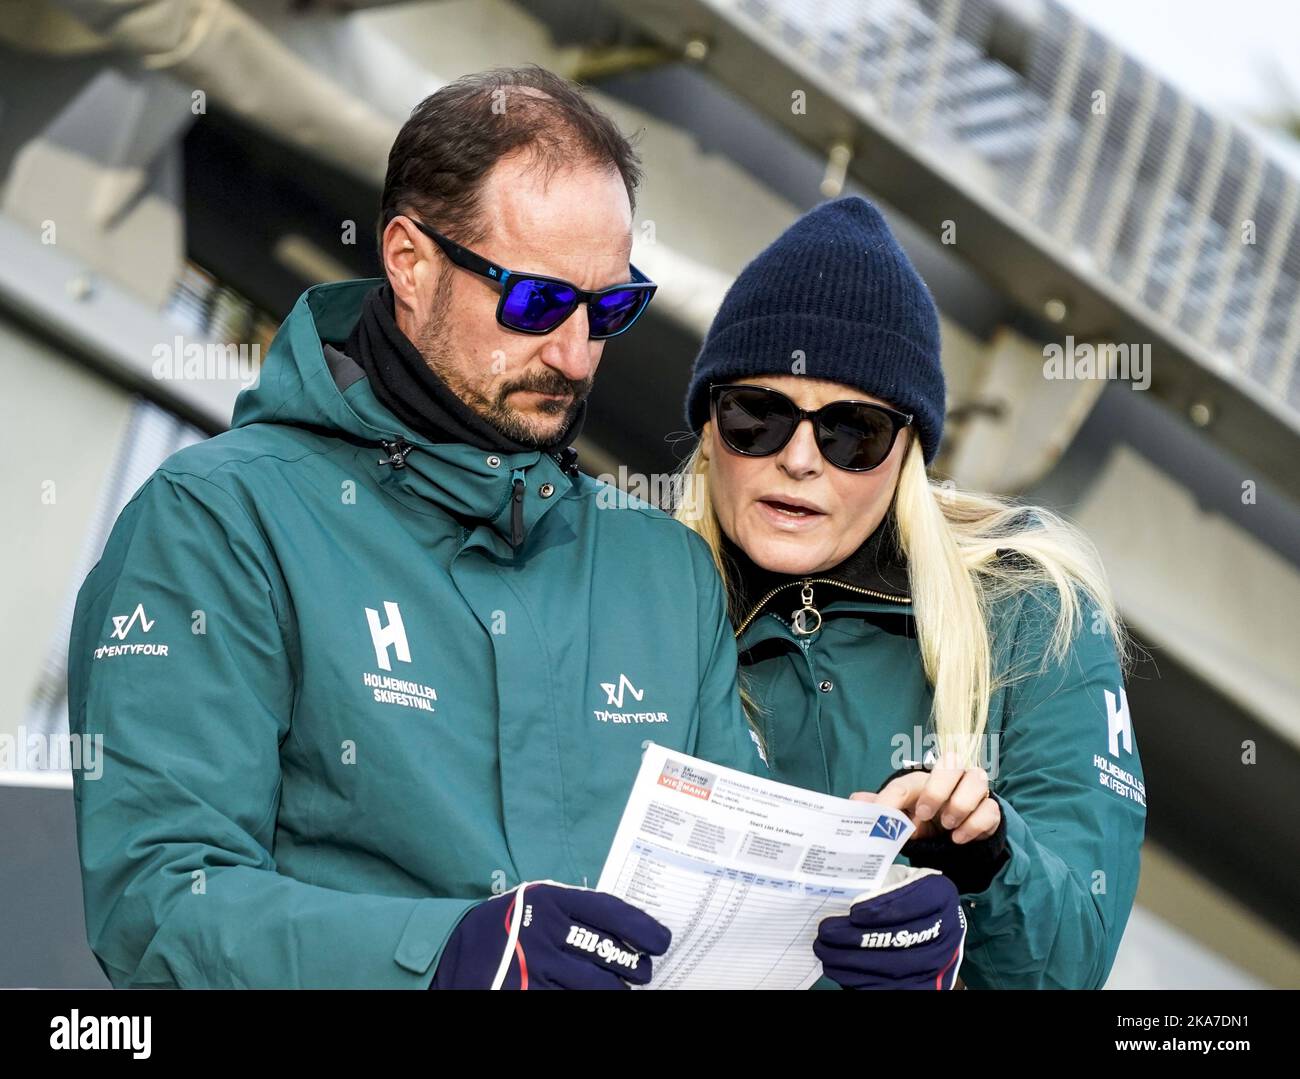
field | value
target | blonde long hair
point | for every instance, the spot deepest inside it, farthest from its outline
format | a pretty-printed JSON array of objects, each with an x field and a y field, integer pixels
[{"x": 951, "y": 539}]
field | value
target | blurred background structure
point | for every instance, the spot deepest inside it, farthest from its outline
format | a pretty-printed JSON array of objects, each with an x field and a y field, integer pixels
[{"x": 187, "y": 167}]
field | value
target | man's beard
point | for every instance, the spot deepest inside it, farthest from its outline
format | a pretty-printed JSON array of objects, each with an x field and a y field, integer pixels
[{"x": 432, "y": 345}]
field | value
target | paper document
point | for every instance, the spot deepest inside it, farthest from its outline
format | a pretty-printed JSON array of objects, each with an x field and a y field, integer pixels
[{"x": 742, "y": 869}]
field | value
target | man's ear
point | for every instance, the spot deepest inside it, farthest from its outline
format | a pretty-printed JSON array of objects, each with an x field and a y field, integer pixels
[{"x": 400, "y": 253}]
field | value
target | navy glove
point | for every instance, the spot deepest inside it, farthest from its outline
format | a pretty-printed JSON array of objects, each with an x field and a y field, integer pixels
[
  {"x": 547, "y": 935},
  {"x": 908, "y": 935}
]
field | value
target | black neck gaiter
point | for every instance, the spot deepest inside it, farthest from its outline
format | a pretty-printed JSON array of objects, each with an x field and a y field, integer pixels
[{"x": 409, "y": 388}]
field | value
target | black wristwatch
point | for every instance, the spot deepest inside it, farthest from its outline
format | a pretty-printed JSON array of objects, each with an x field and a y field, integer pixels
[{"x": 970, "y": 866}]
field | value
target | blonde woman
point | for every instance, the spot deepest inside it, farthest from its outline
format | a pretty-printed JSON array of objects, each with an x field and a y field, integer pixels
[{"x": 961, "y": 653}]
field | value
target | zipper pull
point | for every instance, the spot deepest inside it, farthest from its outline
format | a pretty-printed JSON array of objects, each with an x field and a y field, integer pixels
[
  {"x": 567, "y": 459},
  {"x": 396, "y": 451},
  {"x": 517, "y": 507},
  {"x": 801, "y": 621}
]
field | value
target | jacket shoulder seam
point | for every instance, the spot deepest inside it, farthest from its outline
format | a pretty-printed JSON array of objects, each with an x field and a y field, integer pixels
[
  {"x": 280, "y": 606},
  {"x": 230, "y": 461}
]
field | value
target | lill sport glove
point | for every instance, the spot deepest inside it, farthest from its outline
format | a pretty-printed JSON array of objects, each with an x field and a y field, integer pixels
[
  {"x": 547, "y": 935},
  {"x": 908, "y": 935}
]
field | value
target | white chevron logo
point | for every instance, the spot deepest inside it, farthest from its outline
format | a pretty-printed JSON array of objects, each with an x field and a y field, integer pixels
[
  {"x": 122, "y": 623},
  {"x": 615, "y": 693}
]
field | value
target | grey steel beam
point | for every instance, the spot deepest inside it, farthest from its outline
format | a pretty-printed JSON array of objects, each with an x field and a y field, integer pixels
[
  {"x": 1010, "y": 247},
  {"x": 97, "y": 322}
]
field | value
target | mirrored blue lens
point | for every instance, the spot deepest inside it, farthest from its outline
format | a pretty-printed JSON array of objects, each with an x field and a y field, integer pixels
[
  {"x": 534, "y": 305},
  {"x": 613, "y": 312}
]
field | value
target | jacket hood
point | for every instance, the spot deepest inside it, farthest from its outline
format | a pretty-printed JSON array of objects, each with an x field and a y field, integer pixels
[
  {"x": 295, "y": 385},
  {"x": 297, "y": 388}
]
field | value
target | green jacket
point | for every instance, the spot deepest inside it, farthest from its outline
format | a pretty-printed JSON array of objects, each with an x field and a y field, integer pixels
[
  {"x": 845, "y": 708},
  {"x": 338, "y": 707}
]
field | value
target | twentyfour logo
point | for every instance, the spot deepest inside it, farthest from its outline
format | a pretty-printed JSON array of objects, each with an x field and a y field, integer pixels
[
  {"x": 123, "y": 624},
  {"x": 1119, "y": 731},
  {"x": 614, "y": 696},
  {"x": 584, "y": 940},
  {"x": 901, "y": 938},
  {"x": 615, "y": 693},
  {"x": 384, "y": 689}
]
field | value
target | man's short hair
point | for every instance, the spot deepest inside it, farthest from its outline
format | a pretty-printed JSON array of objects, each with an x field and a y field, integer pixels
[{"x": 453, "y": 138}]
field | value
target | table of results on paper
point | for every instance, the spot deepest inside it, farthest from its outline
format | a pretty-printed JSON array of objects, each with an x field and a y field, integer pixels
[{"x": 744, "y": 927}]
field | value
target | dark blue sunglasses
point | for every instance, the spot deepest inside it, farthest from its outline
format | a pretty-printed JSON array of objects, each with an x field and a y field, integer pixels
[{"x": 536, "y": 303}]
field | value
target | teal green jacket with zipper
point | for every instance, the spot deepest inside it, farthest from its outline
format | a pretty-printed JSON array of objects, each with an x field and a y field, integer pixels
[
  {"x": 339, "y": 706},
  {"x": 846, "y": 707}
]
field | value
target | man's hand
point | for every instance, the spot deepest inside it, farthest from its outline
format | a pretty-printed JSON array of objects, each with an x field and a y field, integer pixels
[
  {"x": 909, "y": 935},
  {"x": 949, "y": 797},
  {"x": 544, "y": 935}
]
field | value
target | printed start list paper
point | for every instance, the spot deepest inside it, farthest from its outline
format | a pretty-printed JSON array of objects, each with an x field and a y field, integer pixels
[{"x": 743, "y": 869}]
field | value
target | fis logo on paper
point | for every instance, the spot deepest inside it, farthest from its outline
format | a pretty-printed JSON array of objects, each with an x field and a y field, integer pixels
[
  {"x": 679, "y": 776},
  {"x": 584, "y": 940},
  {"x": 887, "y": 828}
]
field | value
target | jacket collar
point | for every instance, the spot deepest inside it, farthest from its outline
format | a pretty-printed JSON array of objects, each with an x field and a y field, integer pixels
[
  {"x": 507, "y": 492},
  {"x": 500, "y": 497},
  {"x": 872, "y": 578}
]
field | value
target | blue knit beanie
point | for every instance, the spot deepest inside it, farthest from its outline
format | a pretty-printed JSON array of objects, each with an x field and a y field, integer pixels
[{"x": 837, "y": 291}]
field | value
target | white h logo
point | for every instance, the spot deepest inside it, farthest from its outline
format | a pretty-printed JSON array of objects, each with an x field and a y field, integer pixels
[
  {"x": 394, "y": 633},
  {"x": 1117, "y": 719}
]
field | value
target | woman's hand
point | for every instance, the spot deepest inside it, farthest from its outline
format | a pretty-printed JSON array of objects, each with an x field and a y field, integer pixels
[{"x": 949, "y": 797}]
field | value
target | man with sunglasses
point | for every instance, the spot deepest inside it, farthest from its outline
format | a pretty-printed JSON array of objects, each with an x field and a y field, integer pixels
[{"x": 405, "y": 660}]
